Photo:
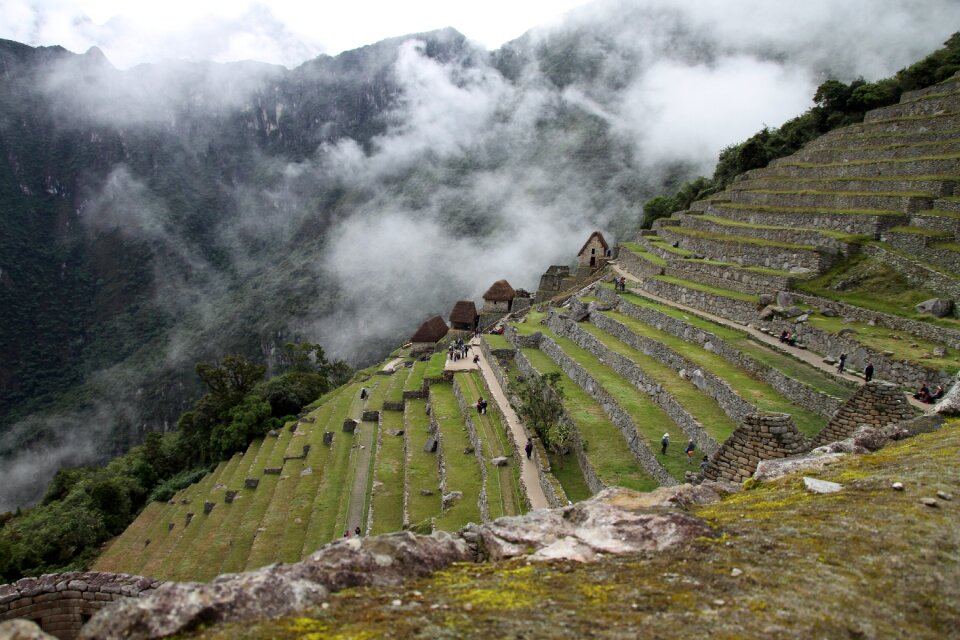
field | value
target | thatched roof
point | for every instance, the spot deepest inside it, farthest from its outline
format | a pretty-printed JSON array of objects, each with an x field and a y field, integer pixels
[
  {"x": 464, "y": 311},
  {"x": 598, "y": 235},
  {"x": 500, "y": 291},
  {"x": 431, "y": 330}
]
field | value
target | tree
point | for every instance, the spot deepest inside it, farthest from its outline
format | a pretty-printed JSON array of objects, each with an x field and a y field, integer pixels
[
  {"x": 542, "y": 408},
  {"x": 235, "y": 376},
  {"x": 659, "y": 207}
]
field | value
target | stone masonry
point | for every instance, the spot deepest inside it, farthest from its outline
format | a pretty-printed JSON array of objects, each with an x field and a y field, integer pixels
[
  {"x": 761, "y": 436},
  {"x": 876, "y": 404},
  {"x": 61, "y": 603}
]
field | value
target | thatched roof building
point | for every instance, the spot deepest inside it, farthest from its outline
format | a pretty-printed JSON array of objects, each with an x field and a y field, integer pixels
[
  {"x": 431, "y": 330},
  {"x": 464, "y": 316},
  {"x": 500, "y": 291}
]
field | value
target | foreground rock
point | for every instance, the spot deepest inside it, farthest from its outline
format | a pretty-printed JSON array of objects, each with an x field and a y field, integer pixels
[
  {"x": 21, "y": 629},
  {"x": 615, "y": 521},
  {"x": 779, "y": 467}
]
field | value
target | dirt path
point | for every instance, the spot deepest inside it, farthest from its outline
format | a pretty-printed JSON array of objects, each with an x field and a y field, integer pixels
[
  {"x": 528, "y": 470},
  {"x": 392, "y": 365},
  {"x": 363, "y": 439},
  {"x": 803, "y": 354}
]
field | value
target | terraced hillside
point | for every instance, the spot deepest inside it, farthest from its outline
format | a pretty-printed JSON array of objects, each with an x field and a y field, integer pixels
[{"x": 835, "y": 245}]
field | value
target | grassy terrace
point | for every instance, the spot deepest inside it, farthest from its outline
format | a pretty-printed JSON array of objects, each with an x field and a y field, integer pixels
[
  {"x": 733, "y": 265},
  {"x": 496, "y": 342},
  {"x": 607, "y": 450},
  {"x": 462, "y": 471},
  {"x": 388, "y": 477},
  {"x": 754, "y": 391},
  {"x": 354, "y": 469},
  {"x": 819, "y": 192},
  {"x": 414, "y": 381},
  {"x": 421, "y": 466},
  {"x": 877, "y": 287},
  {"x": 938, "y": 213},
  {"x": 503, "y": 486},
  {"x": 717, "y": 291},
  {"x": 946, "y": 246},
  {"x": 791, "y": 367},
  {"x": 666, "y": 246},
  {"x": 434, "y": 370},
  {"x": 641, "y": 251},
  {"x": 809, "y": 210},
  {"x": 943, "y": 156},
  {"x": 851, "y": 238},
  {"x": 397, "y": 386},
  {"x": 920, "y": 231},
  {"x": 651, "y": 425},
  {"x": 905, "y": 346}
]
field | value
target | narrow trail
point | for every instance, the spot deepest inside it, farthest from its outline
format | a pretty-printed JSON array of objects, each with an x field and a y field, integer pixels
[
  {"x": 802, "y": 354},
  {"x": 392, "y": 365},
  {"x": 528, "y": 469},
  {"x": 363, "y": 440}
]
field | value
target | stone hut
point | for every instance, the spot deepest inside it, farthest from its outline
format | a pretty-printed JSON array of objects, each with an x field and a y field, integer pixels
[
  {"x": 464, "y": 316},
  {"x": 594, "y": 252},
  {"x": 876, "y": 403},
  {"x": 499, "y": 298},
  {"x": 552, "y": 280},
  {"x": 761, "y": 436},
  {"x": 430, "y": 332}
]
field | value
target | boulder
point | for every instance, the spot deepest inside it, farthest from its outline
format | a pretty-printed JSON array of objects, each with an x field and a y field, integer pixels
[
  {"x": 784, "y": 298},
  {"x": 21, "y": 629},
  {"x": 827, "y": 312},
  {"x": 500, "y": 461},
  {"x": 813, "y": 485},
  {"x": 939, "y": 352},
  {"x": 766, "y": 299},
  {"x": 949, "y": 404},
  {"x": 803, "y": 318},
  {"x": 779, "y": 467},
  {"x": 449, "y": 499},
  {"x": 614, "y": 521},
  {"x": 768, "y": 313},
  {"x": 426, "y": 492},
  {"x": 939, "y": 307},
  {"x": 792, "y": 312}
]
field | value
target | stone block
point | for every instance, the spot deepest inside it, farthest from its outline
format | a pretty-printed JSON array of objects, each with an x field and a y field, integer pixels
[
  {"x": 349, "y": 425},
  {"x": 328, "y": 438},
  {"x": 251, "y": 483}
]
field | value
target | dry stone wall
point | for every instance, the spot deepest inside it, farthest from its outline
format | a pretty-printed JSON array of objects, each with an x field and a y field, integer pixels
[
  {"x": 636, "y": 265},
  {"x": 62, "y": 602},
  {"x": 466, "y": 410},
  {"x": 876, "y": 404},
  {"x": 916, "y": 273},
  {"x": 727, "y": 277},
  {"x": 732, "y": 308},
  {"x": 905, "y": 204},
  {"x": 762, "y": 436},
  {"x": 793, "y": 390},
  {"x": 920, "y": 246},
  {"x": 693, "y": 220},
  {"x": 750, "y": 254},
  {"x": 870, "y": 225}
]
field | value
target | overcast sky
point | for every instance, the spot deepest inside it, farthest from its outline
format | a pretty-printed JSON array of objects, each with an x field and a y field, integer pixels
[{"x": 284, "y": 32}]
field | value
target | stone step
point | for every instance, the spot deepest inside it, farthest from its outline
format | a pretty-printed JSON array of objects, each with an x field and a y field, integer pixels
[
  {"x": 929, "y": 166},
  {"x": 750, "y": 252},
  {"x": 832, "y": 240},
  {"x": 928, "y": 105},
  {"x": 951, "y": 204},
  {"x": 950, "y": 85},
  {"x": 826, "y": 155},
  {"x": 887, "y": 201},
  {"x": 731, "y": 276},
  {"x": 933, "y": 186}
]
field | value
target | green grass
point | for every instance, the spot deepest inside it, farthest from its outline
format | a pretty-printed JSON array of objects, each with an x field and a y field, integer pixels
[
  {"x": 731, "y": 265},
  {"x": 421, "y": 466},
  {"x": 810, "y": 210},
  {"x": 641, "y": 251},
  {"x": 462, "y": 471},
  {"x": 395, "y": 393},
  {"x": 851, "y": 238},
  {"x": 943, "y": 156},
  {"x": 937, "y": 213},
  {"x": 920, "y": 231},
  {"x": 817, "y": 192},
  {"x": 496, "y": 342},
  {"x": 566, "y": 469},
  {"x": 435, "y": 366},
  {"x": 717, "y": 291},
  {"x": 266, "y": 543},
  {"x": 651, "y": 421},
  {"x": 754, "y": 391},
  {"x": 607, "y": 450},
  {"x": 790, "y": 367},
  {"x": 946, "y": 246},
  {"x": 666, "y": 246},
  {"x": 414, "y": 381},
  {"x": 388, "y": 486}
]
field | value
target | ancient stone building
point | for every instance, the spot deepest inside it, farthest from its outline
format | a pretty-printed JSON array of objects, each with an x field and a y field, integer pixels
[
  {"x": 553, "y": 278},
  {"x": 464, "y": 316},
  {"x": 499, "y": 298},
  {"x": 429, "y": 333},
  {"x": 594, "y": 252},
  {"x": 762, "y": 436},
  {"x": 876, "y": 404}
]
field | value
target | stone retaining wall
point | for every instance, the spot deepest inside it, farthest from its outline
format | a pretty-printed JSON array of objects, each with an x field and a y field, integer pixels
[
  {"x": 936, "y": 223},
  {"x": 793, "y": 390},
  {"x": 893, "y": 152},
  {"x": 919, "y": 245},
  {"x": 483, "y": 501},
  {"x": 729, "y": 400},
  {"x": 589, "y": 474},
  {"x": 441, "y": 451},
  {"x": 864, "y": 224},
  {"x": 62, "y": 602},
  {"x": 876, "y": 404},
  {"x": 904, "y": 204},
  {"x": 750, "y": 254},
  {"x": 886, "y": 168},
  {"x": 375, "y": 465},
  {"x": 737, "y": 310},
  {"x": 935, "y": 187},
  {"x": 915, "y": 273},
  {"x": 940, "y": 122},
  {"x": 790, "y": 235},
  {"x": 636, "y": 265},
  {"x": 762, "y": 436},
  {"x": 620, "y": 418},
  {"x": 925, "y": 107},
  {"x": 727, "y": 277},
  {"x": 927, "y": 331}
]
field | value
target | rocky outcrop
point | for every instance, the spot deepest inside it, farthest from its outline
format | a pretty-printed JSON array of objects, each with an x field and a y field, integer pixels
[{"x": 21, "y": 629}]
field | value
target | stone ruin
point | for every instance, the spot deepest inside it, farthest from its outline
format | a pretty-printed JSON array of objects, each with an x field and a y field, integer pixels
[
  {"x": 876, "y": 404},
  {"x": 349, "y": 425},
  {"x": 761, "y": 436}
]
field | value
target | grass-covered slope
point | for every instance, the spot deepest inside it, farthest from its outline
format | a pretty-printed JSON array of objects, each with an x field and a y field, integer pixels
[{"x": 867, "y": 562}]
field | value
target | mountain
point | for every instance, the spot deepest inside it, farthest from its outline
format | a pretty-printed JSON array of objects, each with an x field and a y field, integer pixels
[{"x": 178, "y": 212}]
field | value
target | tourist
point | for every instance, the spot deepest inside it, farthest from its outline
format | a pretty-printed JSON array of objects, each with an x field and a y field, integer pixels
[
  {"x": 529, "y": 448},
  {"x": 923, "y": 395},
  {"x": 664, "y": 442},
  {"x": 357, "y": 532},
  {"x": 937, "y": 394},
  {"x": 868, "y": 372},
  {"x": 784, "y": 336},
  {"x": 476, "y": 359},
  {"x": 479, "y": 405},
  {"x": 691, "y": 447},
  {"x": 703, "y": 464},
  {"x": 363, "y": 393},
  {"x": 842, "y": 362}
]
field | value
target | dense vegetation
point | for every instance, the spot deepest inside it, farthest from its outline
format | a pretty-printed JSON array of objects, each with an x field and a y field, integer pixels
[
  {"x": 85, "y": 506},
  {"x": 836, "y": 105}
]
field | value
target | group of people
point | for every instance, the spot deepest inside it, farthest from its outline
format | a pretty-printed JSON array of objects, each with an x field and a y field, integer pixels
[
  {"x": 620, "y": 284},
  {"x": 458, "y": 349},
  {"x": 481, "y": 406},
  {"x": 691, "y": 448},
  {"x": 867, "y": 370},
  {"x": 788, "y": 337},
  {"x": 356, "y": 532},
  {"x": 924, "y": 394}
]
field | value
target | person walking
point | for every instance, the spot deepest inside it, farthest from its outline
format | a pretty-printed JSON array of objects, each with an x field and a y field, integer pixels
[
  {"x": 691, "y": 447},
  {"x": 529, "y": 448},
  {"x": 664, "y": 443},
  {"x": 868, "y": 372},
  {"x": 842, "y": 362}
]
